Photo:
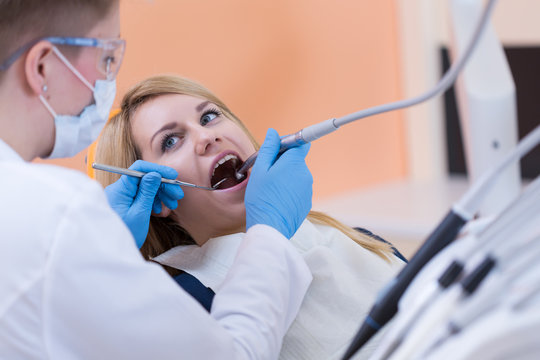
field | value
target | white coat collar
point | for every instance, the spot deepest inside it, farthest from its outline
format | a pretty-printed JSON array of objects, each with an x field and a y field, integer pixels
[{"x": 7, "y": 153}]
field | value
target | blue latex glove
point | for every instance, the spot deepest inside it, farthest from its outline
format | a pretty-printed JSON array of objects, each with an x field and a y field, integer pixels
[
  {"x": 279, "y": 191},
  {"x": 134, "y": 198}
]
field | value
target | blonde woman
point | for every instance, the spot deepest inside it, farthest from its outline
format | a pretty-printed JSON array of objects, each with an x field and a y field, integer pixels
[{"x": 176, "y": 122}]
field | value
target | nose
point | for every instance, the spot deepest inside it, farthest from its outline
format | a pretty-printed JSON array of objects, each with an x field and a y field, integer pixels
[{"x": 205, "y": 140}]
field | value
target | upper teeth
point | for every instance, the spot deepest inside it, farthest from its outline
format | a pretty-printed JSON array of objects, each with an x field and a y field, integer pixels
[{"x": 222, "y": 160}]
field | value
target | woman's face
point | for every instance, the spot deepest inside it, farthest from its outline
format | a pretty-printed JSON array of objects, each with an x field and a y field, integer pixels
[{"x": 193, "y": 136}]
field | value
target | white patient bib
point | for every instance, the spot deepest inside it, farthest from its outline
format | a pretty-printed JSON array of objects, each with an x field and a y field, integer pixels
[{"x": 346, "y": 279}]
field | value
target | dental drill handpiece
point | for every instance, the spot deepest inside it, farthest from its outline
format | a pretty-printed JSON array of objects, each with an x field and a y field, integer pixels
[
  {"x": 299, "y": 138},
  {"x": 314, "y": 132}
]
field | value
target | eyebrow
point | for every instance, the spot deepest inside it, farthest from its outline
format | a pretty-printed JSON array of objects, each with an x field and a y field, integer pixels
[
  {"x": 202, "y": 105},
  {"x": 172, "y": 125},
  {"x": 167, "y": 126}
]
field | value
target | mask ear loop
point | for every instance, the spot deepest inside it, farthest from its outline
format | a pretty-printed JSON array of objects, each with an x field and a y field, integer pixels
[
  {"x": 72, "y": 68},
  {"x": 46, "y": 103}
]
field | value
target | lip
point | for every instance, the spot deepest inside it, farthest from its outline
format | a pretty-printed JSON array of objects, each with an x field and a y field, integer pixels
[
  {"x": 236, "y": 187},
  {"x": 219, "y": 157}
]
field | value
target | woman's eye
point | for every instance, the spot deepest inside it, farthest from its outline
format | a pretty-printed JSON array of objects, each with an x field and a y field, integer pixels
[
  {"x": 209, "y": 116},
  {"x": 168, "y": 142}
]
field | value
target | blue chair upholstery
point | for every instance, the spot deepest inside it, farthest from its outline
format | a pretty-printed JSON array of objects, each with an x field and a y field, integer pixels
[{"x": 204, "y": 295}]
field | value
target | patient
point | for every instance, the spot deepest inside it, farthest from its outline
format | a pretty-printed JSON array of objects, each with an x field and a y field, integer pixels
[{"x": 176, "y": 122}]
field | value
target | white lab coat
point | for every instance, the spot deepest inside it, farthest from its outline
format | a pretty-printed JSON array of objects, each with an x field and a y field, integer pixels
[
  {"x": 74, "y": 286},
  {"x": 346, "y": 279}
]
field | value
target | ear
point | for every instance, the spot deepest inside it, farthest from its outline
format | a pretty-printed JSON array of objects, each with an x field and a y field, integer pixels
[
  {"x": 165, "y": 211},
  {"x": 36, "y": 66}
]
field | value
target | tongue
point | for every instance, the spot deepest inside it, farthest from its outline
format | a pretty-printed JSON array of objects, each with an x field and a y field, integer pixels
[{"x": 227, "y": 171}]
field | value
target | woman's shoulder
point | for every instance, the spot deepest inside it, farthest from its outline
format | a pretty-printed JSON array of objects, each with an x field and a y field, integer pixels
[
  {"x": 376, "y": 237},
  {"x": 311, "y": 236}
]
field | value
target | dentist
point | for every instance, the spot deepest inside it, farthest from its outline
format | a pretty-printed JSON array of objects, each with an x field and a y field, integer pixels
[{"x": 74, "y": 285}]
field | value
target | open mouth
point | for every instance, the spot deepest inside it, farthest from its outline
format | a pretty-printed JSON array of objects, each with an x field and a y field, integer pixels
[{"x": 225, "y": 168}]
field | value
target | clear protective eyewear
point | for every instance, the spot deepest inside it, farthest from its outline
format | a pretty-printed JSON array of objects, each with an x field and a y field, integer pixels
[{"x": 109, "y": 57}]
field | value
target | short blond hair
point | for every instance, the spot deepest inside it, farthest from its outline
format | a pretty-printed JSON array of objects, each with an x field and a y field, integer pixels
[{"x": 22, "y": 21}]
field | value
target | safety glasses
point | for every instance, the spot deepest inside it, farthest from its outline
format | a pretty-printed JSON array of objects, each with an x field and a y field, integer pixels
[{"x": 109, "y": 56}]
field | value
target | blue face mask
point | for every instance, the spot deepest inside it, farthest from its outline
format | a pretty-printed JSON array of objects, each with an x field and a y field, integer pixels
[{"x": 76, "y": 132}]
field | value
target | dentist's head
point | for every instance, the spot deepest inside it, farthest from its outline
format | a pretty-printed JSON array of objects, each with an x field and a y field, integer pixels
[{"x": 58, "y": 63}]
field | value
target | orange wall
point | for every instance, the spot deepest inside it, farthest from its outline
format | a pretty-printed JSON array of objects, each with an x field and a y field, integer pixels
[{"x": 284, "y": 64}]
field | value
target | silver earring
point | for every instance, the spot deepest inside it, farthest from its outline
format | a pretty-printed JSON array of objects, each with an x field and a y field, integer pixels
[{"x": 44, "y": 88}]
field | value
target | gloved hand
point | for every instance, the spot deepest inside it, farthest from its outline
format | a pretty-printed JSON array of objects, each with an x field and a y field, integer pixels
[
  {"x": 135, "y": 198},
  {"x": 279, "y": 191}
]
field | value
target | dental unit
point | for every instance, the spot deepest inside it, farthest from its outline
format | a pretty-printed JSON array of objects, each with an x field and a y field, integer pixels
[
  {"x": 386, "y": 305},
  {"x": 316, "y": 131}
]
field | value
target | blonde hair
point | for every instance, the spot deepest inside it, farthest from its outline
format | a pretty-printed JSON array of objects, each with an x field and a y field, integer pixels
[{"x": 117, "y": 147}]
